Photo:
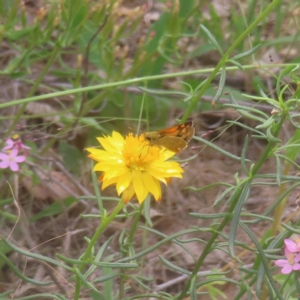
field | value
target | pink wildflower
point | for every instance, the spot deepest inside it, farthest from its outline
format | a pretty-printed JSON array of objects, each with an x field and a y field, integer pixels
[
  {"x": 11, "y": 143},
  {"x": 289, "y": 264},
  {"x": 293, "y": 246},
  {"x": 10, "y": 159}
]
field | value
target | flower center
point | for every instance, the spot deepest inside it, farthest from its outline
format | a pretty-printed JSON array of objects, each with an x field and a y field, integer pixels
[
  {"x": 137, "y": 152},
  {"x": 290, "y": 259}
]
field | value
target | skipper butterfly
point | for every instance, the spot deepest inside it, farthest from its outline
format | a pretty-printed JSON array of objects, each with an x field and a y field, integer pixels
[{"x": 174, "y": 138}]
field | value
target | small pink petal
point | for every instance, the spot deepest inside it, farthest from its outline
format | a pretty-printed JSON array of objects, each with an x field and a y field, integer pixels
[
  {"x": 291, "y": 245},
  {"x": 9, "y": 143},
  {"x": 14, "y": 166},
  {"x": 3, "y": 156},
  {"x": 286, "y": 269},
  {"x": 296, "y": 267},
  {"x": 281, "y": 262},
  {"x": 20, "y": 158},
  {"x": 297, "y": 257},
  {"x": 4, "y": 164},
  {"x": 13, "y": 152}
]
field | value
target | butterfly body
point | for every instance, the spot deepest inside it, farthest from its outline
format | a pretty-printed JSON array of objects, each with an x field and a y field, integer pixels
[{"x": 175, "y": 138}]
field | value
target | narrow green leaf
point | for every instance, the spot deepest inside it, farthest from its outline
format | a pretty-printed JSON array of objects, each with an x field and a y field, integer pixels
[
  {"x": 243, "y": 156},
  {"x": 278, "y": 170},
  {"x": 157, "y": 245},
  {"x": 262, "y": 93},
  {"x": 248, "y": 109},
  {"x": 293, "y": 152},
  {"x": 221, "y": 85},
  {"x": 16, "y": 35},
  {"x": 220, "y": 150},
  {"x": 212, "y": 39},
  {"x": 194, "y": 189},
  {"x": 209, "y": 216},
  {"x": 146, "y": 211},
  {"x": 162, "y": 92},
  {"x": 91, "y": 122},
  {"x": 140, "y": 283},
  {"x": 106, "y": 277},
  {"x": 236, "y": 64},
  {"x": 116, "y": 265},
  {"x": 244, "y": 111},
  {"x": 285, "y": 71},
  {"x": 174, "y": 267},
  {"x": 199, "y": 86},
  {"x": 108, "y": 284},
  {"x": 259, "y": 281},
  {"x": 83, "y": 279},
  {"x": 291, "y": 229},
  {"x": 102, "y": 264},
  {"x": 97, "y": 191},
  {"x": 20, "y": 274},
  {"x": 263, "y": 260},
  {"x": 98, "y": 257},
  {"x": 247, "y": 127},
  {"x": 267, "y": 123},
  {"x": 271, "y": 137},
  {"x": 293, "y": 163},
  {"x": 245, "y": 186},
  {"x": 270, "y": 101},
  {"x": 35, "y": 255},
  {"x": 246, "y": 53},
  {"x": 79, "y": 17},
  {"x": 223, "y": 195}
]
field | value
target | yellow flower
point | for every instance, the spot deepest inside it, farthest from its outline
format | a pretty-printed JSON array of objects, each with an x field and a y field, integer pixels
[{"x": 134, "y": 166}]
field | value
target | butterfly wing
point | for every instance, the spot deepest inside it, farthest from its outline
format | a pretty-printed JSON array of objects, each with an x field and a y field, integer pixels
[
  {"x": 174, "y": 138},
  {"x": 172, "y": 143},
  {"x": 184, "y": 131}
]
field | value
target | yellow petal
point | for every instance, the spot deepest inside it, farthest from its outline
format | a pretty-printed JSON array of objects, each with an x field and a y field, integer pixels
[
  {"x": 106, "y": 144},
  {"x": 123, "y": 182},
  {"x": 108, "y": 182},
  {"x": 111, "y": 168},
  {"x": 152, "y": 185},
  {"x": 128, "y": 193},
  {"x": 138, "y": 185}
]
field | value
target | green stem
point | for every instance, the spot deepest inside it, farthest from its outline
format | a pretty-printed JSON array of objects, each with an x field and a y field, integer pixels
[
  {"x": 130, "y": 82},
  {"x": 135, "y": 223},
  {"x": 85, "y": 257},
  {"x": 128, "y": 244},
  {"x": 77, "y": 287},
  {"x": 105, "y": 222}
]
